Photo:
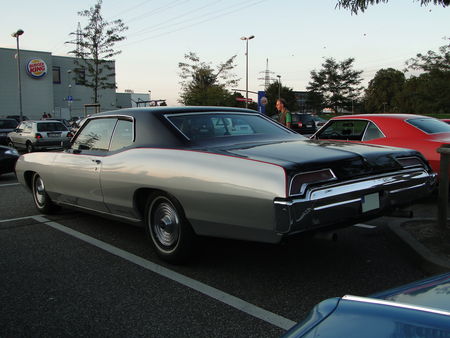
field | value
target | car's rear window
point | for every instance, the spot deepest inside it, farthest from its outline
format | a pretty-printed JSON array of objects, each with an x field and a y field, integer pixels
[
  {"x": 8, "y": 124},
  {"x": 430, "y": 125},
  {"x": 50, "y": 126},
  {"x": 204, "y": 125}
]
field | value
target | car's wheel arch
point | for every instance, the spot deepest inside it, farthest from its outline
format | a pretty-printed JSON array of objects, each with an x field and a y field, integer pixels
[
  {"x": 28, "y": 177},
  {"x": 142, "y": 195}
]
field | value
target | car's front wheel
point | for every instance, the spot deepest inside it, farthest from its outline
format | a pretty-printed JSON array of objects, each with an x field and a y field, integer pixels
[
  {"x": 41, "y": 199},
  {"x": 10, "y": 143},
  {"x": 169, "y": 231}
]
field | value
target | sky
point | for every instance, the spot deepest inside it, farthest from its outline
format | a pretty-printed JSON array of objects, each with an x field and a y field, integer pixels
[{"x": 295, "y": 36}]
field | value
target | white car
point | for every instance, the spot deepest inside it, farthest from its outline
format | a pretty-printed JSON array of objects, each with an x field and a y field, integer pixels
[{"x": 39, "y": 135}]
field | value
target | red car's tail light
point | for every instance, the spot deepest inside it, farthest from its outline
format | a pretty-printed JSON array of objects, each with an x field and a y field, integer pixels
[
  {"x": 38, "y": 136},
  {"x": 409, "y": 162},
  {"x": 300, "y": 181}
]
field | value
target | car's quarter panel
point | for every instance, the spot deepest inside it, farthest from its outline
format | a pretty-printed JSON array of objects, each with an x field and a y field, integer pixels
[{"x": 221, "y": 195}]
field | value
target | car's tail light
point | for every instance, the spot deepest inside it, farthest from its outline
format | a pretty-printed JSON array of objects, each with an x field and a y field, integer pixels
[
  {"x": 301, "y": 181},
  {"x": 300, "y": 124},
  {"x": 69, "y": 134},
  {"x": 38, "y": 136},
  {"x": 410, "y": 162}
]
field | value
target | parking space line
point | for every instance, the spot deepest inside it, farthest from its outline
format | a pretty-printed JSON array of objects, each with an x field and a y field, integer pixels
[
  {"x": 365, "y": 226},
  {"x": 207, "y": 290},
  {"x": 8, "y": 184},
  {"x": 21, "y": 218}
]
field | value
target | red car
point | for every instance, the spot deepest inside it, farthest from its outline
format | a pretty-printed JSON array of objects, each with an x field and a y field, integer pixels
[{"x": 417, "y": 132}]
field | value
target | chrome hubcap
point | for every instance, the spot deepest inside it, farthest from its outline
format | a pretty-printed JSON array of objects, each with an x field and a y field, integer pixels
[
  {"x": 165, "y": 224},
  {"x": 39, "y": 191}
]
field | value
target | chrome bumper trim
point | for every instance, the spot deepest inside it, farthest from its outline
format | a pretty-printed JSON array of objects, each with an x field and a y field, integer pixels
[{"x": 337, "y": 204}]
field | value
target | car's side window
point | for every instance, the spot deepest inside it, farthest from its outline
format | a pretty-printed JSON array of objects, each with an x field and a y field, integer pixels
[
  {"x": 122, "y": 136},
  {"x": 27, "y": 128},
  {"x": 96, "y": 135},
  {"x": 344, "y": 130},
  {"x": 372, "y": 132}
]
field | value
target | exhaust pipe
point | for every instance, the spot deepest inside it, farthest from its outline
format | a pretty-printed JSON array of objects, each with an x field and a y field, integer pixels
[
  {"x": 327, "y": 235},
  {"x": 401, "y": 213}
]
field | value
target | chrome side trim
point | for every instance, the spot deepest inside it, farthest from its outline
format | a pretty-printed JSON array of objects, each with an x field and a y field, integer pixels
[
  {"x": 337, "y": 204},
  {"x": 394, "y": 304},
  {"x": 134, "y": 220}
]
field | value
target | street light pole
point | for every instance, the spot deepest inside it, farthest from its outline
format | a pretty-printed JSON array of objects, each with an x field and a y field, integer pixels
[
  {"x": 246, "y": 67},
  {"x": 279, "y": 86},
  {"x": 69, "y": 98},
  {"x": 16, "y": 35}
]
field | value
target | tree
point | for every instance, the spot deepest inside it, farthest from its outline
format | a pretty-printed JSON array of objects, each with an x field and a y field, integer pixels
[
  {"x": 362, "y": 5},
  {"x": 430, "y": 91},
  {"x": 94, "y": 50},
  {"x": 272, "y": 96},
  {"x": 203, "y": 85},
  {"x": 336, "y": 84},
  {"x": 383, "y": 91},
  {"x": 432, "y": 61},
  {"x": 426, "y": 93}
]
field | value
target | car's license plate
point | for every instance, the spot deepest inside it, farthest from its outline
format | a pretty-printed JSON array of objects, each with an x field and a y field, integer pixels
[
  {"x": 309, "y": 125},
  {"x": 370, "y": 202},
  {"x": 53, "y": 134}
]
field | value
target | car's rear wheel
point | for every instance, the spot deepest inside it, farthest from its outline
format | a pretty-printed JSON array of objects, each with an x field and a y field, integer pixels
[
  {"x": 30, "y": 147},
  {"x": 10, "y": 143},
  {"x": 41, "y": 199},
  {"x": 169, "y": 231}
]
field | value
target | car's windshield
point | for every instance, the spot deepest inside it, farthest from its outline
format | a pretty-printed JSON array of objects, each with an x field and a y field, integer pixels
[
  {"x": 204, "y": 125},
  {"x": 51, "y": 126},
  {"x": 8, "y": 124},
  {"x": 430, "y": 125}
]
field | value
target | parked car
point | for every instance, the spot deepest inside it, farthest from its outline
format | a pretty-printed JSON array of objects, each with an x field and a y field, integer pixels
[
  {"x": 422, "y": 133},
  {"x": 223, "y": 172},
  {"x": 319, "y": 121},
  {"x": 8, "y": 159},
  {"x": 63, "y": 121},
  {"x": 6, "y": 126},
  {"x": 302, "y": 123},
  {"x": 39, "y": 135},
  {"x": 419, "y": 309},
  {"x": 17, "y": 117}
]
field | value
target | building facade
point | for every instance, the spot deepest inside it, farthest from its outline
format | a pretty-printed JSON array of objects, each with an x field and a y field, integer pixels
[{"x": 48, "y": 85}]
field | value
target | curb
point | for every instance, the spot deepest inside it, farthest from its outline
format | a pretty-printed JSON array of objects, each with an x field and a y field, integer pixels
[{"x": 428, "y": 260}]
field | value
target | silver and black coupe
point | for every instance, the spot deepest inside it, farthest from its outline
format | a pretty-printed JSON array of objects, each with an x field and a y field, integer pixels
[{"x": 184, "y": 172}]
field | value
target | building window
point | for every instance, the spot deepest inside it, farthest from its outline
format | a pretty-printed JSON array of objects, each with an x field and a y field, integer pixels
[
  {"x": 80, "y": 77},
  {"x": 56, "y": 74}
]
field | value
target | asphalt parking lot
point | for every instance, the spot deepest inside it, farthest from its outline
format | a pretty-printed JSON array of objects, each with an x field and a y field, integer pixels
[{"x": 75, "y": 274}]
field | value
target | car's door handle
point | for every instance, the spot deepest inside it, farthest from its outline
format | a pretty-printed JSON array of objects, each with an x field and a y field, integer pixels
[{"x": 97, "y": 161}]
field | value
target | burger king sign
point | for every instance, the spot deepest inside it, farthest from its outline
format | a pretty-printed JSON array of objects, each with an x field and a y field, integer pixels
[{"x": 36, "y": 68}]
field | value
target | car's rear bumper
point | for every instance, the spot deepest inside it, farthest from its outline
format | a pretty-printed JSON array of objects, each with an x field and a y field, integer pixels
[{"x": 341, "y": 204}]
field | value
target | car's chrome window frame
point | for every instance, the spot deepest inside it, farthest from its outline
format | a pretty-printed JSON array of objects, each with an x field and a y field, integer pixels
[
  {"x": 166, "y": 116},
  {"x": 114, "y": 116},
  {"x": 367, "y": 127}
]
